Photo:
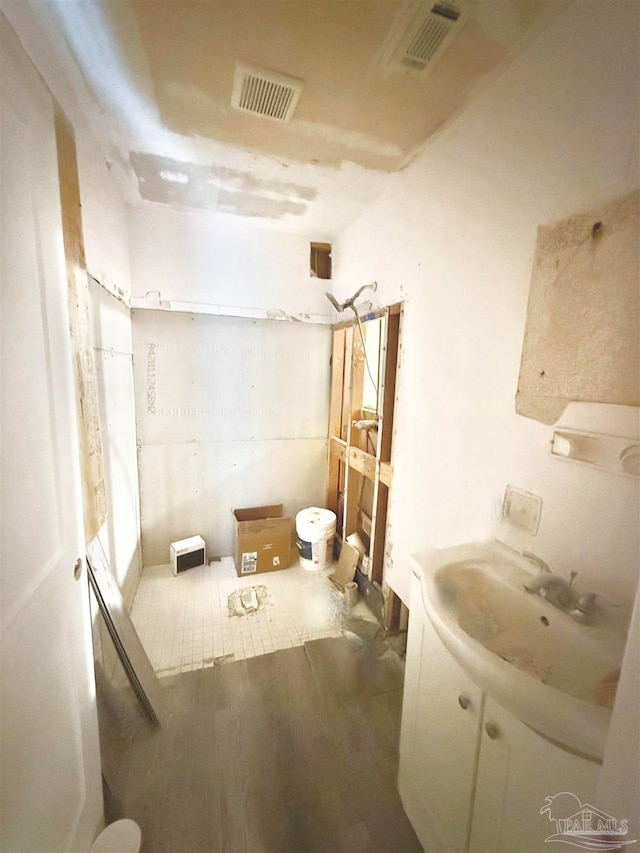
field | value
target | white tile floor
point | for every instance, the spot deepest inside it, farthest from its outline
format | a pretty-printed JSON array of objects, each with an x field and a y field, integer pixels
[{"x": 184, "y": 622}]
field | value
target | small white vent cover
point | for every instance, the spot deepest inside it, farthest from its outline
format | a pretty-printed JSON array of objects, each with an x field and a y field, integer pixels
[
  {"x": 265, "y": 93},
  {"x": 420, "y": 37}
]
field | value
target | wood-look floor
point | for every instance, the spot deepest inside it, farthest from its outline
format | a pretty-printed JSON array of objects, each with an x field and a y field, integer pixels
[{"x": 288, "y": 752}]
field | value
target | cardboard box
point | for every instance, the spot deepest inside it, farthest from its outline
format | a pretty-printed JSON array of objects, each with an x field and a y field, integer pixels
[{"x": 262, "y": 540}]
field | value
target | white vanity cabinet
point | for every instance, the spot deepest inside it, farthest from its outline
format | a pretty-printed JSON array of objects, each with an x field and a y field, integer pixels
[
  {"x": 473, "y": 777},
  {"x": 517, "y": 770},
  {"x": 441, "y": 717}
]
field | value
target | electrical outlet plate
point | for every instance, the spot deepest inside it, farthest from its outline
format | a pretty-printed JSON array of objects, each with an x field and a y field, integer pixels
[{"x": 522, "y": 509}]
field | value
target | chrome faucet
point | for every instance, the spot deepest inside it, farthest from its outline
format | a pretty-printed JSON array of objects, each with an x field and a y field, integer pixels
[
  {"x": 555, "y": 589},
  {"x": 581, "y": 606},
  {"x": 552, "y": 587}
]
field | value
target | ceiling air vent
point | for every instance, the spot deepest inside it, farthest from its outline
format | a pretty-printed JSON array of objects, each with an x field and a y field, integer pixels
[
  {"x": 265, "y": 93},
  {"x": 420, "y": 37}
]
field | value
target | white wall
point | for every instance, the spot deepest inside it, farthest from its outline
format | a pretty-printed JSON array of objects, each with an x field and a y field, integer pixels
[
  {"x": 556, "y": 134},
  {"x": 104, "y": 216},
  {"x": 113, "y": 353},
  {"x": 104, "y": 219},
  {"x": 195, "y": 467},
  {"x": 106, "y": 242},
  {"x": 618, "y": 790},
  {"x": 220, "y": 260},
  {"x": 230, "y": 413}
]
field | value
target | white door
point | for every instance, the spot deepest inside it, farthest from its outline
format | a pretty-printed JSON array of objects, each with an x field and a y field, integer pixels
[{"x": 49, "y": 760}]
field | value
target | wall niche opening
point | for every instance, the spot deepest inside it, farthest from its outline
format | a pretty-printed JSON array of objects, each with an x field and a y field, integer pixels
[{"x": 320, "y": 260}]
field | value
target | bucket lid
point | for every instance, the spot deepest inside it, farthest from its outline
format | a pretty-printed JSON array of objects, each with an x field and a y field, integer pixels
[
  {"x": 123, "y": 836},
  {"x": 316, "y": 515}
]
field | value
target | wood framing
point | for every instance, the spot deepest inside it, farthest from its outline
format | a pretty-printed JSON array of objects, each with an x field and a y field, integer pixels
[
  {"x": 360, "y": 445},
  {"x": 335, "y": 419}
]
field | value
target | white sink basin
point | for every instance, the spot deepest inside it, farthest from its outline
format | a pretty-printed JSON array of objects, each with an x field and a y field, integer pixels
[{"x": 534, "y": 659}]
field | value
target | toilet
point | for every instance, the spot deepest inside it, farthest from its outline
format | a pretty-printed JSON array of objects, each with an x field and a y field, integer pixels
[{"x": 122, "y": 836}]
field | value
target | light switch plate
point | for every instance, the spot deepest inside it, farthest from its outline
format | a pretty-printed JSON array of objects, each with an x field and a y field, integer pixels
[{"x": 522, "y": 509}]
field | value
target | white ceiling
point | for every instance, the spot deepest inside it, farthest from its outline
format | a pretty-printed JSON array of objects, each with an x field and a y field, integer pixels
[{"x": 154, "y": 81}]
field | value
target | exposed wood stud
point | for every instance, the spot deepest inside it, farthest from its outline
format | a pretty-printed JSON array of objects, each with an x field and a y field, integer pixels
[
  {"x": 359, "y": 460},
  {"x": 335, "y": 418}
]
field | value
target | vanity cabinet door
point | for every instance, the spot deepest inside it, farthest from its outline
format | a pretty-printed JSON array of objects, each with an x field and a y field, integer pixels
[
  {"x": 442, "y": 711},
  {"x": 517, "y": 770}
]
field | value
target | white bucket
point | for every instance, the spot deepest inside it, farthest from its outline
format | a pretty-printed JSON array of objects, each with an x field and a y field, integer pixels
[{"x": 315, "y": 529}]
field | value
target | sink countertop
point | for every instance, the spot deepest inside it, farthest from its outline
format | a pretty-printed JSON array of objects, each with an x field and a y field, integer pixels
[{"x": 515, "y": 644}]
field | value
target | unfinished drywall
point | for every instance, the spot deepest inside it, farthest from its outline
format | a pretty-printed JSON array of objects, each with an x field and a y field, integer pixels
[
  {"x": 455, "y": 239},
  {"x": 230, "y": 413},
  {"x": 171, "y": 76},
  {"x": 106, "y": 240},
  {"x": 214, "y": 260},
  {"x": 94, "y": 499},
  {"x": 581, "y": 334},
  {"x": 113, "y": 355}
]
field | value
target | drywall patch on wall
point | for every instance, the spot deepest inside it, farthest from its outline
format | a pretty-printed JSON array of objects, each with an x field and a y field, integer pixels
[
  {"x": 229, "y": 412},
  {"x": 171, "y": 181},
  {"x": 581, "y": 339}
]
